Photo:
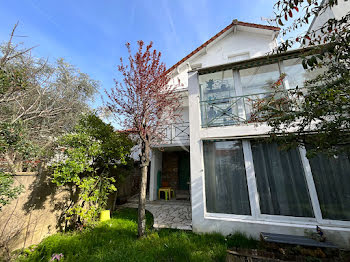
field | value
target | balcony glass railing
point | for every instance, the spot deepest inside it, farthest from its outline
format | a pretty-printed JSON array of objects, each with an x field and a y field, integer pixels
[
  {"x": 235, "y": 110},
  {"x": 231, "y": 96}
]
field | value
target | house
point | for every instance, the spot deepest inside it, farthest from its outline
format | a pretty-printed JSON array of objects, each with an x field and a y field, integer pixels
[
  {"x": 337, "y": 11},
  {"x": 237, "y": 182}
]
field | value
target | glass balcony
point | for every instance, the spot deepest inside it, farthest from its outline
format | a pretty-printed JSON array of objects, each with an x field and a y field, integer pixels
[
  {"x": 235, "y": 110},
  {"x": 232, "y": 97}
]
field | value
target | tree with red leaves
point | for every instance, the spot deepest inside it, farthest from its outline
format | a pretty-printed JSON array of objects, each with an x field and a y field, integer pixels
[
  {"x": 318, "y": 110},
  {"x": 144, "y": 102}
]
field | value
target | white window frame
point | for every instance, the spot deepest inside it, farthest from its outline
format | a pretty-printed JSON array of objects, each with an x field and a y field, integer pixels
[
  {"x": 233, "y": 55},
  {"x": 239, "y": 88},
  {"x": 222, "y": 215},
  {"x": 255, "y": 201}
]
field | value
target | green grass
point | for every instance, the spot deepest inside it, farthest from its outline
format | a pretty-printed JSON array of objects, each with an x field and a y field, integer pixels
[{"x": 116, "y": 240}]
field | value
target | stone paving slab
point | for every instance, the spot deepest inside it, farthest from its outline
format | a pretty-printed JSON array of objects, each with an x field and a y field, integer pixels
[{"x": 168, "y": 214}]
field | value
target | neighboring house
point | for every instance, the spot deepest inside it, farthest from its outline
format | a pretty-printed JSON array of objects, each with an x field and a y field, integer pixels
[
  {"x": 337, "y": 11},
  {"x": 236, "y": 182}
]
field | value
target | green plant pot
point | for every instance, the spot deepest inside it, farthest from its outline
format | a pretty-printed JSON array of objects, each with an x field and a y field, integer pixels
[{"x": 105, "y": 215}]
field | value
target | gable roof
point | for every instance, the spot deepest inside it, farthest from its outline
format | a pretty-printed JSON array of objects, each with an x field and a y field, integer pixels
[{"x": 234, "y": 23}]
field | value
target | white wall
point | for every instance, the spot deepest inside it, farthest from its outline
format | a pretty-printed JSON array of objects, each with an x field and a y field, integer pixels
[
  {"x": 236, "y": 43},
  {"x": 341, "y": 9},
  {"x": 156, "y": 165},
  {"x": 337, "y": 12}
]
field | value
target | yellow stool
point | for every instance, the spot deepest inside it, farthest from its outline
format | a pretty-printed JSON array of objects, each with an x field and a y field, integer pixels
[
  {"x": 168, "y": 191},
  {"x": 172, "y": 192},
  {"x": 105, "y": 215}
]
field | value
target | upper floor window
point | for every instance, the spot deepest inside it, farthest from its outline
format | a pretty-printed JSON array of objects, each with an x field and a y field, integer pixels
[
  {"x": 259, "y": 79},
  {"x": 216, "y": 90},
  {"x": 230, "y": 97},
  {"x": 238, "y": 57},
  {"x": 217, "y": 85},
  {"x": 296, "y": 74}
]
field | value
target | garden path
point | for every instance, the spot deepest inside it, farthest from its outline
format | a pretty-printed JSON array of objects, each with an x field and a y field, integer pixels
[{"x": 167, "y": 214}]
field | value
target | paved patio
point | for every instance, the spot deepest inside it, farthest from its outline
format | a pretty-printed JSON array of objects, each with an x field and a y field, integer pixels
[{"x": 167, "y": 214}]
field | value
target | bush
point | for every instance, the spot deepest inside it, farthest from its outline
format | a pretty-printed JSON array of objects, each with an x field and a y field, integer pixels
[{"x": 8, "y": 191}]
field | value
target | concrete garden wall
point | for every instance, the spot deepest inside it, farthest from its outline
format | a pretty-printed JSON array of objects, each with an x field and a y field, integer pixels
[{"x": 35, "y": 214}]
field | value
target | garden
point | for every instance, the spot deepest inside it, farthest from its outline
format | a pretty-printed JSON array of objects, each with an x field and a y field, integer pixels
[{"x": 116, "y": 240}]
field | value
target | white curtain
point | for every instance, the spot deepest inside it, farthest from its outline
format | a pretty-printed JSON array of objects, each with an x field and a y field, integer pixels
[
  {"x": 332, "y": 181},
  {"x": 225, "y": 178},
  {"x": 281, "y": 181}
]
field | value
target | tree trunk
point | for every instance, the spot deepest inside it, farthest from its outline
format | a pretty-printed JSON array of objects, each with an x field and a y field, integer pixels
[
  {"x": 10, "y": 159},
  {"x": 142, "y": 202},
  {"x": 145, "y": 150}
]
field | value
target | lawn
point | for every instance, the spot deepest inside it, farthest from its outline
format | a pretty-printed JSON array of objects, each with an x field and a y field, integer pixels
[{"x": 116, "y": 240}]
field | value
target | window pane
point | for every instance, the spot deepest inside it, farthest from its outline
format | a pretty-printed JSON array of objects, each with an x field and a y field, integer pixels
[
  {"x": 281, "y": 181},
  {"x": 225, "y": 178},
  {"x": 256, "y": 85},
  {"x": 216, "y": 106},
  {"x": 332, "y": 181},
  {"x": 259, "y": 79},
  {"x": 296, "y": 74},
  {"x": 236, "y": 58},
  {"x": 217, "y": 85}
]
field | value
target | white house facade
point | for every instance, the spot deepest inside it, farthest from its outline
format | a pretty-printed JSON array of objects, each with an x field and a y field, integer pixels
[{"x": 236, "y": 181}]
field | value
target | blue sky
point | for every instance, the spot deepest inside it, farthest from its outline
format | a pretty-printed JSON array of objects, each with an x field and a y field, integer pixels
[{"x": 92, "y": 34}]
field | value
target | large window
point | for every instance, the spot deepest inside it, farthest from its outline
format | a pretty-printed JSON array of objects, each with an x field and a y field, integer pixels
[
  {"x": 295, "y": 72},
  {"x": 332, "y": 180},
  {"x": 225, "y": 178},
  {"x": 228, "y": 102},
  {"x": 281, "y": 181}
]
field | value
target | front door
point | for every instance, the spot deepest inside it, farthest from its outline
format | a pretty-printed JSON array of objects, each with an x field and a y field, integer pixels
[{"x": 184, "y": 170}]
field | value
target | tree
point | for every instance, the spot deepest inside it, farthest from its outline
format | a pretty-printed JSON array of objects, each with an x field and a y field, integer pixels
[
  {"x": 144, "y": 102},
  {"x": 318, "y": 112},
  {"x": 44, "y": 100},
  {"x": 8, "y": 191},
  {"x": 38, "y": 102},
  {"x": 90, "y": 155}
]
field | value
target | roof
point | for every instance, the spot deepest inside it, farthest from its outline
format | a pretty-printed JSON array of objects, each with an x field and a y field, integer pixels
[
  {"x": 261, "y": 60},
  {"x": 234, "y": 23}
]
